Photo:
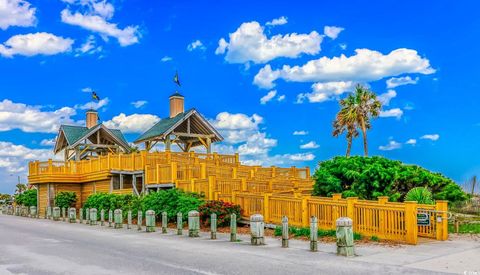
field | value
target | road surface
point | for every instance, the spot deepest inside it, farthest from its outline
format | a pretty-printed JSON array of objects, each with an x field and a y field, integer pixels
[{"x": 37, "y": 246}]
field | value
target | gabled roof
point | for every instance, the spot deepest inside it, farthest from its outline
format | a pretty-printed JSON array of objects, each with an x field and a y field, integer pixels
[
  {"x": 168, "y": 125},
  {"x": 75, "y": 134}
]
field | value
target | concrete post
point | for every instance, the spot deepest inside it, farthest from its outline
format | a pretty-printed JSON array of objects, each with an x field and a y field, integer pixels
[
  {"x": 213, "y": 226},
  {"x": 139, "y": 220},
  {"x": 64, "y": 214},
  {"x": 164, "y": 222},
  {"x": 233, "y": 227},
  {"x": 72, "y": 215},
  {"x": 313, "y": 234},
  {"x": 110, "y": 218},
  {"x": 81, "y": 215},
  {"x": 56, "y": 213},
  {"x": 10, "y": 210},
  {"x": 102, "y": 217},
  {"x": 17, "y": 210},
  {"x": 87, "y": 216},
  {"x": 150, "y": 221},
  {"x": 49, "y": 212},
  {"x": 345, "y": 245},
  {"x": 129, "y": 219},
  {"x": 33, "y": 211},
  {"x": 118, "y": 218},
  {"x": 193, "y": 224},
  {"x": 179, "y": 223},
  {"x": 257, "y": 227},
  {"x": 285, "y": 232},
  {"x": 93, "y": 216}
]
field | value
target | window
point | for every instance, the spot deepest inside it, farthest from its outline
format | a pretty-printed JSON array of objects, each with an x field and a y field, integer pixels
[
  {"x": 127, "y": 182},
  {"x": 116, "y": 182},
  {"x": 139, "y": 183}
]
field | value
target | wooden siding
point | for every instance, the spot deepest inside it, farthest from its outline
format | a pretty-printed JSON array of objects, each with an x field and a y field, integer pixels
[
  {"x": 42, "y": 198},
  {"x": 87, "y": 190},
  {"x": 102, "y": 186},
  {"x": 70, "y": 187}
]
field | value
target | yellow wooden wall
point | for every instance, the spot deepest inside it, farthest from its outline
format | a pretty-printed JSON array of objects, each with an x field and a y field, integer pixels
[
  {"x": 42, "y": 190},
  {"x": 102, "y": 186}
]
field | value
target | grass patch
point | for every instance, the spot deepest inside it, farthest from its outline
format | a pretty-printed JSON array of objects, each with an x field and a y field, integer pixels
[
  {"x": 305, "y": 232},
  {"x": 374, "y": 239},
  {"x": 465, "y": 228}
]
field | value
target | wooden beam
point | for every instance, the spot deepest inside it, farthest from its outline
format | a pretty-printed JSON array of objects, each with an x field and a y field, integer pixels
[{"x": 188, "y": 125}]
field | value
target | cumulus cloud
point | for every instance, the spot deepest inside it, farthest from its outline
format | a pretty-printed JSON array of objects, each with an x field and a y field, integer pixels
[
  {"x": 16, "y": 13},
  {"x": 40, "y": 43},
  {"x": 281, "y": 98},
  {"x": 309, "y": 145},
  {"x": 386, "y": 97},
  {"x": 400, "y": 81},
  {"x": 139, "y": 103},
  {"x": 236, "y": 128},
  {"x": 249, "y": 43},
  {"x": 48, "y": 142},
  {"x": 395, "y": 112},
  {"x": 411, "y": 141},
  {"x": 269, "y": 96},
  {"x": 95, "y": 105},
  {"x": 366, "y": 65},
  {"x": 300, "y": 133},
  {"x": 432, "y": 137},
  {"x": 135, "y": 123},
  {"x": 277, "y": 21},
  {"x": 89, "y": 46},
  {"x": 326, "y": 91},
  {"x": 96, "y": 18},
  {"x": 33, "y": 119},
  {"x": 332, "y": 31},
  {"x": 392, "y": 145},
  {"x": 166, "y": 59},
  {"x": 196, "y": 45}
]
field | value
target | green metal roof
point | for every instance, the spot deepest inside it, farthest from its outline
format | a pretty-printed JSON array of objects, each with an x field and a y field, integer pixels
[
  {"x": 75, "y": 133},
  {"x": 162, "y": 126}
]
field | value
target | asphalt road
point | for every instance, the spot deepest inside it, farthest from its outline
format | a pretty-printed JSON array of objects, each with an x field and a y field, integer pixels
[{"x": 37, "y": 246}]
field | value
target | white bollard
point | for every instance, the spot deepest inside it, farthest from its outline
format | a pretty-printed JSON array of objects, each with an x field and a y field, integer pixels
[
  {"x": 93, "y": 216},
  {"x": 193, "y": 224},
  {"x": 285, "y": 232},
  {"x": 139, "y": 220},
  {"x": 257, "y": 229},
  {"x": 118, "y": 218},
  {"x": 72, "y": 215},
  {"x": 150, "y": 221},
  {"x": 313, "y": 234}
]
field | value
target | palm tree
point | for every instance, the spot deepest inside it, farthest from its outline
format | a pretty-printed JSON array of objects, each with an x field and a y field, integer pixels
[
  {"x": 346, "y": 121},
  {"x": 20, "y": 188},
  {"x": 366, "y": 106}
]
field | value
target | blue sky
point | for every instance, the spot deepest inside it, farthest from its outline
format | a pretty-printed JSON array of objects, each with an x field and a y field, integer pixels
[{"x": 257, "y": 71}]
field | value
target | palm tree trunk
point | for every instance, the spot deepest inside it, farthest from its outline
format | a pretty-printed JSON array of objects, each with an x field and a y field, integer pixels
[
  {"x": 349, "y": 146},
  {"x": 365, "y": 143}
]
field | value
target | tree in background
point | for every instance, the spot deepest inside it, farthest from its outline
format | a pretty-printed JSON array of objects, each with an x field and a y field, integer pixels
[
  {"x": 20, "y": 188},
  {"x": 346, "y": 121},
  {"x": 27, "y": 198}
]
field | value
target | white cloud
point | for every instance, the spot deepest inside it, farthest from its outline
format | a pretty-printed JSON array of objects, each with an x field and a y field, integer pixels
[
  {"x": 99, "y": 24},
  {"x": 392, "y": 145},
  {"x": 343, "y": 46},
  {"x": 166, "y": 59},
  {"x": 89, "y": 47},
  {"x": 326, "y": 91},
  {"x": 300, "y": 133},
  {"x": 400, "y": 81},
  {"x": 236, "y": 128},
  {"x": 281, "y": 98},
  {"x": 332, "y": 31},
  {"x": 300, "y": 157},
  {"x": 33, "y": 119},
  {"x": 309, "y": 145},
  {"x": 34, "y": 44},
  {"x": 433, "y": 137},
  {"x": 411, "y": 141},
  {"x": 250, "y": 43},
  {"x": 48, "y": 142},
  {"x": 277, "y": 21},
  {"x": 395, "y": 112},
  {"x": 16, "y": 13},
  {"x": 87, "y": 90},
  {"x": 196, "y": 45},
  {"x": 269, "y": 96},
  {"x": 386, "y": 97},
  {"x": 139, "y": 103},
  {"x": 95, "y": 105},
  {"x": 135, "y": 123},
  {"x": 366, "y": 65},
  {"x": 257, "y": 144}
]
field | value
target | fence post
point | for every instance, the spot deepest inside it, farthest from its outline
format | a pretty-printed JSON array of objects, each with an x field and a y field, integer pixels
[
  {"x": 285, "y": 232},
  {"x": 193, "y": 224},
  {"x": 382, "y": 200},
  {"x": 179, "y": 223},
  {"x": 203, "y": 170},
  {"x": 213, "y": 226},
  {"x": 257, "y": 230},
  {"x": 211, "y": 186},
  {"x": 441, "y": 207},
  {"x": 313, "y": 234},
  {"x": 233, "y": 227},
  {"x": 243, "y": 185},
  {"x": 139, "y": 220},
  {"x": 102, "y": 217},
  {"x": 164, "y": 222},
  {"x": 266, "y": 207},
  {"x": 351, "y": 207},
  {"x": 118, "y": 218},
  {"x": 150, "y": 221},
  {"x": 411, "y": 228},
  {"x": 305, "y": 211},
  {"x": 173, "y": 171}
]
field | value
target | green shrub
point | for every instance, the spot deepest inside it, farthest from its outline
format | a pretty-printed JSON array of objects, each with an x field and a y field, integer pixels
[
  {"x": 172, "y": 201},
  {"x": 222, "y": 209},
  {"x": 420, "y": 195},
  {"x": 371, "y": 177},
  {"x": 113, "y": 201},
  {"x": 65, "y": 199},
  {"x": 374, "y": 238},
  {"x": 27, "y": 198}
]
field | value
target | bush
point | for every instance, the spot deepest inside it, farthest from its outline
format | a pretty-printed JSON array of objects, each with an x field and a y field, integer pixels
[
  {"x": 305, "y": 232},
  {"x": 371, "y": 177},
  {"x": 172, "y": 201},
  {"x": 27, "y": 198},
  {"x": 223, "y": 211},
  {"x": 420, "y": 195},
  {"x": 113, "y": 201},
  {"x": 65, "y": 199}
]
